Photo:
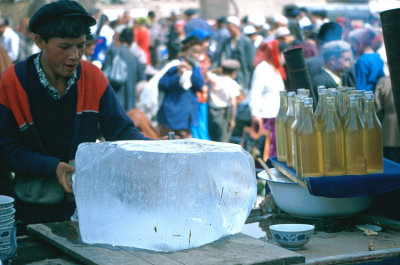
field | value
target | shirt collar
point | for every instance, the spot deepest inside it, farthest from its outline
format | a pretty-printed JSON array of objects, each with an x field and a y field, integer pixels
[
  {"x": 335, "y": 77},
  {"x": 50, "y": 89}
]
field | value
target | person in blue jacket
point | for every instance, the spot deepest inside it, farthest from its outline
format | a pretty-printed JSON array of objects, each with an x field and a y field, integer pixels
[
  {"x": 180, "y": 83},
  {"x": 49, "y": 104}
]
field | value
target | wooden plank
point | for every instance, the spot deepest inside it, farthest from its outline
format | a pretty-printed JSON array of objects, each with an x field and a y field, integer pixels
[
  {"x": 290, "y": 175},
  {"x": 239, "y": 249},
  {"x": 70, "y": 243},
  {"x": 236, "y": 249}
]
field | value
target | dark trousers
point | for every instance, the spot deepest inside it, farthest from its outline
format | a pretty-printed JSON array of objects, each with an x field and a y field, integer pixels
[
  {"x": 218, "y": 124},
  {"x": 33, "y": 213}
]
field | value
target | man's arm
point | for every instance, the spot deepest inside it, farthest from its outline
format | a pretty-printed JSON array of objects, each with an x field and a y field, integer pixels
[
  {"x": 114, "y": 122},
  {"x": 15, "y": 153}
]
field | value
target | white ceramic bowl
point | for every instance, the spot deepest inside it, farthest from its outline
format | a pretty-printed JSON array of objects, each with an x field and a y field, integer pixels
[
  {"x": 6, "y": 201},
  {"x": 292, "y": 236},
  {"x": 7, "y": 210},
  {"x": 297, "y": 201},
  {"x": 8, "y": 215},
  {"x": 7, "y": 222}
]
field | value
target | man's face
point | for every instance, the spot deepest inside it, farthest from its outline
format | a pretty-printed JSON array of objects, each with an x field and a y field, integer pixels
[
  {"x": 61, "y": 56},
  {"x": 343, "y": 62},
  {"x": 193, "y": 53},
  {"x": 233, "y": 30}
]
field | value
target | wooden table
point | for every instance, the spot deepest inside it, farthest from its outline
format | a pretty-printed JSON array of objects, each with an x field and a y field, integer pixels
[{"x": 236, "y": 249}]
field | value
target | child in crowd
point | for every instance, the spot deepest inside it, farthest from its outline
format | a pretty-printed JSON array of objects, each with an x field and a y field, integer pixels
[{"x": 222, "y": 101}]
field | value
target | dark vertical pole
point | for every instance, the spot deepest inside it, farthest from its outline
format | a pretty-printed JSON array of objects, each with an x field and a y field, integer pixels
[
  {"x": 391, "y": 35},
  {"x": 297, "y": 71}
]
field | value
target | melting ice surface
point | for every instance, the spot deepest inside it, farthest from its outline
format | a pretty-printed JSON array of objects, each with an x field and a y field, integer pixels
[{"x": 162, "y": 195}]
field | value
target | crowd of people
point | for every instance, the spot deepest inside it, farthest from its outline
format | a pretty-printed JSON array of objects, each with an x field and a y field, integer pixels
[{"x": 206, "y": 79}]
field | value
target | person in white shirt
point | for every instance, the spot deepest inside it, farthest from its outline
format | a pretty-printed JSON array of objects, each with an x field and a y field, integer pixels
[
  {"x": 264, "y": 93},
  {"x": 9, "y": 39},
  {"x": 222, "y": 101}
]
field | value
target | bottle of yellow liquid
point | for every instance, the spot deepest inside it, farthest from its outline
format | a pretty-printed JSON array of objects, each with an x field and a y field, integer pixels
[
  {"x": 288, "y": 126},
  {"x": 280, "y": 130},
  {"x": 354, "y": 140},
  {"x": 310, "y": 143},
  {"x": 321, "y": 107},
  {"x": 298, "y": 98},
  {"x": 373, "y": 136},
  {"x": 333, "y": 92},
  {"x": 343, "y": 105},
  {"x": 297, "y": 141},
  {"x": 333, "y": 141},
  {"x": 363, "y": 100}
]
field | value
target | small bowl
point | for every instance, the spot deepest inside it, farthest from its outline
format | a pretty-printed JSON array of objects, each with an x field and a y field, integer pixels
[
  {"x": 6, "y": 201},
  {"x": 7, "y": 215},
  {"x": 7, "y": 210},
  {"x": 292, "y": 236}
]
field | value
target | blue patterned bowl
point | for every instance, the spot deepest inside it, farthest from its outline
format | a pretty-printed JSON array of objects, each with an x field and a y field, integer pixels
[{"x": 292, "y": 236}]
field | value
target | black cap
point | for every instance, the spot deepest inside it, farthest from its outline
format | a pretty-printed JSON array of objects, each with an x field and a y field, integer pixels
[
  {"x": 59, "y": 8},
  {"x": 190, "y": 11}
]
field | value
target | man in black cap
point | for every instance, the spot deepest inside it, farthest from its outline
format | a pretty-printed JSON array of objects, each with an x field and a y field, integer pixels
[{"x": 49, "y": 104}]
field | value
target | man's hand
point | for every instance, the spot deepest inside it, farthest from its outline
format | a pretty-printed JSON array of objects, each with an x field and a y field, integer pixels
[
  {"x": 183, "y": 67},
  {"x": 64, "y": 175}
]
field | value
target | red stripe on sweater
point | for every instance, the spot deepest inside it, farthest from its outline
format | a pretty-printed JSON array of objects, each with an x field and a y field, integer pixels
[
  {"x": 14, "y": 97},
  {"x": 91, "y": 86}
]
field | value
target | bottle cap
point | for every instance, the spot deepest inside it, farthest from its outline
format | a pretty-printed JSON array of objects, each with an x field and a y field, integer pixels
[{"x": 308, "y": 101}]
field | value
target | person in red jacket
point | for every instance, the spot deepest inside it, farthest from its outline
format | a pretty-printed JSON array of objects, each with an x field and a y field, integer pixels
[{"x": 49, "y": 104}]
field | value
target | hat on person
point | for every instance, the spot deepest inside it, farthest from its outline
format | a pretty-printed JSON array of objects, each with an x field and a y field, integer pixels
[
  {"x": 190, "y": 41},
  {"x": 257, "y": 19},
  {"x": 190, "y": 11},
  {"x": 61, "y": 8},
  {"x": 281, "y": 32},
  {"x": 278, "y": 18},
  {"x": 249, "y": 30},
  {"x": 233, "y": 20},
  {"x": 335, "y": 47},
  {"x": 230, "y": 64},
  {"x": 201, "y": 34}
]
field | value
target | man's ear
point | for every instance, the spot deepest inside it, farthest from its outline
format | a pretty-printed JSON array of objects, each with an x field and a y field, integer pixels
[{"x": 39, "y": 41}]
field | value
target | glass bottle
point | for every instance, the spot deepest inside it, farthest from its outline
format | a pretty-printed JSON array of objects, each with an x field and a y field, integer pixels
[
  {"x": 333, "y": 141},
  {"x": 297, "y": 144},
  {"x": 310, "y": 143},
  {"x": 279, "y": 127},
  {"x": 373, "y": 137},
  {"x": 298, "y": 98},
  {"x": 288, "y": 126},
  {"x": 335, "y": 94},
  {"x": 321, "y": 107},
  {"x": 343, "y": 105},
  {"x": 354, "y": 140},
  {"x": 363, "y": 100}
]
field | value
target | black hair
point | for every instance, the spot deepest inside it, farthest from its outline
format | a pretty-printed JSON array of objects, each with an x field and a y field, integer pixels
[
  {"x": 63, "y": 27},
  {"x": 126, "y": 36},
  {"x": 151, "y": 14},
  {"x": 330, "y": 31},
  {"x": 228, "y": 71}
]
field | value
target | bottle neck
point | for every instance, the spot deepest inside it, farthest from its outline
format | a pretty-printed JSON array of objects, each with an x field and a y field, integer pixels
[
  {"x": 283, "y": 101},
  {"x": 290, "y": 111}
]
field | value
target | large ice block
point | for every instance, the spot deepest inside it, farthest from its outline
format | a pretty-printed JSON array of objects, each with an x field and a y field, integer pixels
[{"x": 162, "y": 195}]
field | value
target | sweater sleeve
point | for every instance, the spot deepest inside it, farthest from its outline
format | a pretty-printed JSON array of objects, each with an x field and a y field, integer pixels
[
  {"x": 114, "y": 122},
  {"x": 16, "y": 155}
]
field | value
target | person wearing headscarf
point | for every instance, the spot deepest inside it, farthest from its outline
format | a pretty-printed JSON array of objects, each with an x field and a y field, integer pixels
[
  {"x": 266, "y": 83},
  {"x": 369, "y": 64}
]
